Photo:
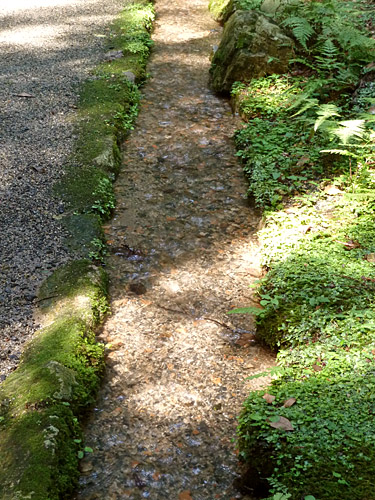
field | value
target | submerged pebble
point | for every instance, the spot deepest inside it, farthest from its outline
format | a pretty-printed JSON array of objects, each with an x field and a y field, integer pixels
[{"x": 176, "y": 375}]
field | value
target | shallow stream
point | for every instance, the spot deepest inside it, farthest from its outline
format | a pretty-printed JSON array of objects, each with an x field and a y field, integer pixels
[{"x": 183, "y": 253}]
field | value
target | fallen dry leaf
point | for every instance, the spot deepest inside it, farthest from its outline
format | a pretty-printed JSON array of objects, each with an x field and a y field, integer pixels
[
  {"x": 349, "y": 245},
  {"x": 283, "y": 424},
  {"x": 289, "y": 402},
  {"x": 332, "y": 190},
  {"x": 317, "y": 368},
  {"x": 185, "y": 495},
  {"x": 371, "y": 257},
  {"x": 269, "y": 398},
  {"x": 116, "y": 412},
  {"x": 24, "y": 94}
]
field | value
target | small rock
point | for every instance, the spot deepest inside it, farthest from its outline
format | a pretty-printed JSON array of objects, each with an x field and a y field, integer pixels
[
  {"x": 113, "y": 54},
  {"x": 137, "y": 288},
  {"x": 85, "y": 466},
  {"x": 129, "y": 75}
]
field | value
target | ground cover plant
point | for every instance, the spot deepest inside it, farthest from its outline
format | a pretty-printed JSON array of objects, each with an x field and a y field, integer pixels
[{"x": 308, "y": 149}]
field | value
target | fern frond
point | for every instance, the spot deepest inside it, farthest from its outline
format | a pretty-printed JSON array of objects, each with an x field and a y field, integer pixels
[
  {"x": 342, "y": 152},
  {"x": 324, "y": 112},
  {"x": 358, "y": 45},
  {"x": 348, "y": 76},
  {"x": 349, "y": 129},
  {"x": 301, "y": 29},
  {"x": 309, "y": 104},
  {"x": 329, "y": 49}
]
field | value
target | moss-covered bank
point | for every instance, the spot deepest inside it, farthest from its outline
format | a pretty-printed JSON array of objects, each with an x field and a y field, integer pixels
[
  {"x": 108, "y": 106},
  {"x": 56, "y": 380},
  {"x": 42, "y": 401}
]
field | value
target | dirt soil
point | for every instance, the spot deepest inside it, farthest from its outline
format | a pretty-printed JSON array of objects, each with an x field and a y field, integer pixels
[{"x": 183, "y": 253}]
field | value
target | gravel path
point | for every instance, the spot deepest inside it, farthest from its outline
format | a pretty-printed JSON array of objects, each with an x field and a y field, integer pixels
[{"x": 47, "y": 47}]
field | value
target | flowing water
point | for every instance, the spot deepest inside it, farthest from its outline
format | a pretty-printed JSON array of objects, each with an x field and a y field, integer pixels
[{"x": 183, "y": 252}]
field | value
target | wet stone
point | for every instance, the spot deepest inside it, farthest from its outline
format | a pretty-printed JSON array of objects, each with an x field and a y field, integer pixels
[{"x": 176, "y": 373}]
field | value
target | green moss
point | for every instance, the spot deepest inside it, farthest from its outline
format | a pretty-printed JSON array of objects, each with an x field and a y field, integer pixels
[
  {"x": 84, "y": 230},
  {"x": 78, "y": 288},
  {"x": 107, "y": 109},
  {"x": 56, "y": 380},
  {"x": 87, "y": 190},
  {"x": 221, "y": 9},
  {"x": 60, "y": 367},
  {"x": 39, "y": 456}
]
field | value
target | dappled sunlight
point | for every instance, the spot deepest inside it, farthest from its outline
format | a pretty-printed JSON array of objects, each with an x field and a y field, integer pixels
[
  {"x": 178, "y": 35},
  {"x": 16, "y": 5},
  {"x": 36, "y": 36},
  {"x": 183, "y": 251},
  {"x": 177, "y": 57}
]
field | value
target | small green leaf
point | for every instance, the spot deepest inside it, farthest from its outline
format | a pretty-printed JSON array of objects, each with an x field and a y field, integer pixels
[
  {"x": 78, "y": 440},
  {"x": 88, "y": 449},
  {"x": 80, "y": 454},
  {"x": 246, "y": 310},
  {"x": 275, "y": 418},
  {"x": 256, "y": 416}
]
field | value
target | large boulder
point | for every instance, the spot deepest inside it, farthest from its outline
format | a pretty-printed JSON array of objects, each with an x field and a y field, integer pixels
[{"x": 251, "y": 47}]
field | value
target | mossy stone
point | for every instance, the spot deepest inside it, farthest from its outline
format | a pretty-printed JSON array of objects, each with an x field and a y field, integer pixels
[
  {"x": 251, "y": 47},
  {"x": 83, "y": 230},
  {"x": 78, "y": 289},
  {"x": 87, "y": 190},
  {"x": 221, "y": 10}
]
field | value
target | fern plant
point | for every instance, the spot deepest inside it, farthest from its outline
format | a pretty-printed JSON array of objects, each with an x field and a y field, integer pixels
[
  {"x": 329, "y": 34},
  {"x": 301, "y": 29}
]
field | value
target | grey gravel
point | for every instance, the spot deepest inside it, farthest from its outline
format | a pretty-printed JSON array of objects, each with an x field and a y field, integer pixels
[{"x": 47, "y": 48}]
